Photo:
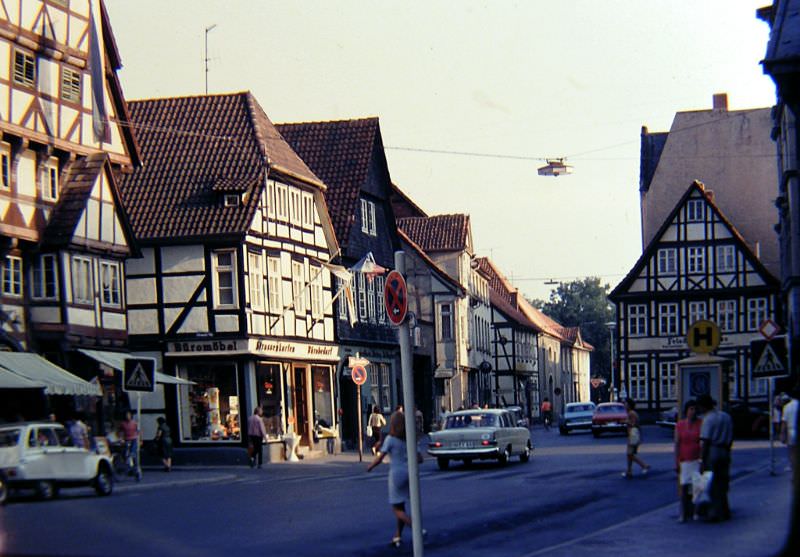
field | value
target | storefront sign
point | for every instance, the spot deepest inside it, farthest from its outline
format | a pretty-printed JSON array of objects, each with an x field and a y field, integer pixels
[{"x": 284, "y": 350}]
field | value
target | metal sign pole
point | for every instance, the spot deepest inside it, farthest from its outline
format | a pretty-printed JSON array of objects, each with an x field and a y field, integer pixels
[
  {"x": 358, "y": 413},
  {"x": 409, "y": 410},
  {"x": 138, "y": 434},
  {"x": 771, "y": 432}
]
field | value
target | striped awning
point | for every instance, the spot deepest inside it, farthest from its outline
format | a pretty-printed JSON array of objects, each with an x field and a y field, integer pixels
[{"x": 39, "y": 372}]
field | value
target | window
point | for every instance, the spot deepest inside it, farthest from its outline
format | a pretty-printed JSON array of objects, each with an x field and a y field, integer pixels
[
  {"x": 225, "y": 278},
  {"x": 668, "y": 319},
  {"x": 50, "y": 180},
  {"x": 756, "y": 313},
  {"x": 694, "y": 210},
  {"x": 232, "y": 200},
  {"x": 82, "y": 280},
  {"x": 371, "y": 299},
  {"x": 271, "y": 199},
  {"x": 637, "y": 378},
  {"x": 316, "y": 294},
  {"x": 5, "y": 165},
  {"x": 758, "y": 387},
  {"x": 380, "y": 286},
  {"x": 256, "y": 277},
  {"x": 368, "y": 218},
  {"x": 70, "y": 85},
  {"x": 109, "y": 273},
  {"x": 268, "y": 391},
  {"x": 637, "y": 320},
  {"x": 295, "y": 207},
  {"x": 341, "y": 300},
  {"x": 697, "y": 311},
  {"x": 44, "y": 277},
  {"x": 667, "y": 264},
  {"x": 726, "y": 260},
  {"x": 380, "y": 387},
  {"x": 298, "y": 287},
  {"x": 308, "y": 210},
  {"x": 726, "y": 315},
  {"x": 697, "y": 260},
  {"x": 24, "y": 69},
  {"x": 281, "y": 202},
  {"x": 362, "y": 297},
  {"x": 12, "y": 276},
  {"x": 209, "y": 408},
  {"x": 668, "y": 374},
  {"x": 274, "y": 283},
  {"x": 446, "y": 321}
]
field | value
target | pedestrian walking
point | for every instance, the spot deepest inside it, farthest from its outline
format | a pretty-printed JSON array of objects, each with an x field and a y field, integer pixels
[
  {"x": 687, "y": 457},
  {"x": 789, "y": 429},
  {"x": 164, "y": 443},
  {"x": 716, "y": 439},
  {"x": 634, "y": 440},
  {"x": 395, "y": 446},
  {"x": 376, "y": 424},
  {"x": 257, "y": 435},
  {"x": 129, "y": 431}
]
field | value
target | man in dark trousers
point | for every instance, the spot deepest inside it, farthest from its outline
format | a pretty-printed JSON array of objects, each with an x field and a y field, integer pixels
[
  {"x": 716, "y": 438},
  {"x": 257, "y": 434}
]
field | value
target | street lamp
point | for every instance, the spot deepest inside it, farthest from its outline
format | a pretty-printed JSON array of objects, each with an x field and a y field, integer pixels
[{"x": 612, "y": 326}]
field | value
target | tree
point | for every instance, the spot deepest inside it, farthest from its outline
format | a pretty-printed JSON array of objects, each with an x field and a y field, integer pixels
[{"x": 584, "y": 303}]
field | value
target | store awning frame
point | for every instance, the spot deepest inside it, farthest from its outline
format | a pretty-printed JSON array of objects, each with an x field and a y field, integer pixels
[
  {"x": 39, "y": 371},
  {"x": 116, "y": 360}
]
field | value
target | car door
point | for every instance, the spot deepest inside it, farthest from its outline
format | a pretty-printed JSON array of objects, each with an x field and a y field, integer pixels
[
  {"x": 504, "y": 431},
  {"x": 40, "y": 453},
  {"x": 73, "y": 459}
]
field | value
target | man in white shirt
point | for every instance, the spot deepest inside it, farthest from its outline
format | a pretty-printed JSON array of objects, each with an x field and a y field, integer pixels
[{"x": 789, "y": 428}]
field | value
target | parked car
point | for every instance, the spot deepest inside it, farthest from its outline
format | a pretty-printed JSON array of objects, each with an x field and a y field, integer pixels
[
  {"x": 519, "y": 415},
  {"x": 577, "y": 415},
  {"x": 609, "y": 417},
  {"x": 480, "y": 434},
  {"x": 41, "y": 456},
  {"x": 668, "y": 418}
]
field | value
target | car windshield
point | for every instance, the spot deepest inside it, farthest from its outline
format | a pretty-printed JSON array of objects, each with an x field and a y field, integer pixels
[
  {"x": 471, "y": 420},
  {"x": 580, "y": 408},
  {"x": 9, "y": 438},
  {"x": 614, "y": 409}
]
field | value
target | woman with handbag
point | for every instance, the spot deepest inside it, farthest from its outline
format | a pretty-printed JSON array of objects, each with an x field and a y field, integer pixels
[
  {"x": 374, "y": 426},
  {"x": 634, "y": 440}
]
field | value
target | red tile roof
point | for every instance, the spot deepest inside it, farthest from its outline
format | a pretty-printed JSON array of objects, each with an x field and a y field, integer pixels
[
  {"x": 194, "y": 148},
  {"x": 439, "y": 232},
  {"x": 340, "y": 152}
]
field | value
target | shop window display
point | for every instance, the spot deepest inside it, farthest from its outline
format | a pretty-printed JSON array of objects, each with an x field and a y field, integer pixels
[
  {"x": 210, "y": 407},
  {"x": 323, "y": 406},
  {"x": 268, "y": 379}
]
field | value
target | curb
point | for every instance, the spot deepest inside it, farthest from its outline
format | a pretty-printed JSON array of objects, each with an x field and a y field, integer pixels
[{"x": 173, "y": 483}]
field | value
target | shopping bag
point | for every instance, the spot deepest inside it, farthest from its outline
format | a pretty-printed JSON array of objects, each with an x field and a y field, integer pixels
[
  {"x": 369, "y": 431},
  {"x": 701, "y": 486}
]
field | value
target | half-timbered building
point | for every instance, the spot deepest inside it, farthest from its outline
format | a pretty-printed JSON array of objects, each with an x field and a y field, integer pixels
[
  {"x": 64, "y": 236},
  {"x": 233, "y": 291},
  {"x": 348, "y": 156},
  {"x": 697, "y": 267}
]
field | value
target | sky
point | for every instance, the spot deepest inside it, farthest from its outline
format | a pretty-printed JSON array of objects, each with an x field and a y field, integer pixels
[{"x": 505, "y": 84}]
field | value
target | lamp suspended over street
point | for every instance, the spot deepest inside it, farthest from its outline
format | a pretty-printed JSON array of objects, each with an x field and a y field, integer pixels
[{"x": 555, "y": 167}]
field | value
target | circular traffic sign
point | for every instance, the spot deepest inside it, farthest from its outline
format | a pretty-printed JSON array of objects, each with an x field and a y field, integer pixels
[
  {"x": 703, "y": 337},
  {"x": 395, "y": 297},
  {"x": 359, "y": 375}
]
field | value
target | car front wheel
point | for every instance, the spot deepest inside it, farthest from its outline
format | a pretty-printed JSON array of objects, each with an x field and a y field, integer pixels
[
  {"x": 103, "y": 482},
  {"x": 443, "y": 462}
]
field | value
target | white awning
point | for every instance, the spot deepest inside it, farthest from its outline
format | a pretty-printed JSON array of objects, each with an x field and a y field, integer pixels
[
  {"x": 10, "y": 380},
  {"x": 116, "y": 360},
  {"x": 55, "y": 380}
]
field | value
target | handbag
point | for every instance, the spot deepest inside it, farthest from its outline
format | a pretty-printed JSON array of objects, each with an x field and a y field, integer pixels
[
  {"x": 369, "y": 431},
  {"x": 634, "y": 437},
  {"x": 701, "y": 484}
]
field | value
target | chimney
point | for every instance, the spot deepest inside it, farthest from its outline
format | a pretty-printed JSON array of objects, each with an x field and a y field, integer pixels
[{"x": 720, "y": 101}]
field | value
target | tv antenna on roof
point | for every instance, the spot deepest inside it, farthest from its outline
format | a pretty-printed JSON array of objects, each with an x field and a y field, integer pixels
[
  {"x": 208, "y": 30},
  {"x": 555, "y": 167}
]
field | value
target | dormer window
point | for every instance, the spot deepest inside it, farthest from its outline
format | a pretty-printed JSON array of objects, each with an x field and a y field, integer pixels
[
  {"x": 50, "y": 180},
  {"x": 368, "y": 218},
  {"x": 232, "y": 200},
  {"x": 24, "y": 68}
]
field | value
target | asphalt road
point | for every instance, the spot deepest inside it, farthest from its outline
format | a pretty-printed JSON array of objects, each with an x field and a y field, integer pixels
[{"x": 571, "y": 487}]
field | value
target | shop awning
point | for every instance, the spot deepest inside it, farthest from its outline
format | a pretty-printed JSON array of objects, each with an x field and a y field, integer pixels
[
  {"x": 116, "y": 360},
  {"x": 10, "y": 380},
  {"x": 40, "y": 372}
]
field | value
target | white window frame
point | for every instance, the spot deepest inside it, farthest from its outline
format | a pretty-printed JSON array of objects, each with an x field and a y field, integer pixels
[
  {"x": 698, "y": 310},
  {"x": 232, "y": 200},
  {"x": 667, "y": 261},
  {"x": 272, "y": 199},
  {"x": 371, "y": 300},
  {"x": 757, "y": 313},
  {"x": 111, "y": 284},
  {"x": 446, "y": 322},
  {"x": 668, "y": 319},
  {"x": 637, "y": 380},
  {"x": 668, "y": 380},
  {"x": 380, "y": 286},
  {"x": 5, "y": 166},
  {"x": 368, "y": 225},
  {"x": 221, "y": 269},
  {"x": 295, "y": 206},
  {"x": 316, "y": 293},
  {"x": 82, "y": 280},
  {"x": 694, "y": 210},
  {"x": 49, "y": 179},
  {"x": 282, "y": 202},
  {"x": 44, "y": 273},
  {"x": 637, "y": 320},
  {"x": 726, "y": 315},
  {"x": 308, "y": 210},
  {"x": 255, "y": 275},
  {"x": 696, "y": 259},
  {"x": 758, "y": 386},
  {"x": 341, "y": 300},
  {"x": 12, "y": 276},
  {"x": 24, "y": 69},
  {"x": 275, "y": 284},
  {"x": 362, "y": 297},
  {"x": 70, "y": 85},
  {"x": 299, "y": 287},
  {"x": 726, "y": 259}
]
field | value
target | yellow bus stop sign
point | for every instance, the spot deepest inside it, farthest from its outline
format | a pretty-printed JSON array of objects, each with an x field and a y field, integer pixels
[{"x": 703, "y": 337}]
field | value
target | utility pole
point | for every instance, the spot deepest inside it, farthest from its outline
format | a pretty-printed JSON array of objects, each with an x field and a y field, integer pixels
[{"x": 208, "y": 30}]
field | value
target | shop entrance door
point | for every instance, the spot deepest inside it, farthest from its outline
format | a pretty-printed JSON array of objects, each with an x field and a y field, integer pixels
[{"x": 300, "y": 404}]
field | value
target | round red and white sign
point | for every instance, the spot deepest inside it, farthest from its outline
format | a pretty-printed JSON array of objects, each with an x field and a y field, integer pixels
[
  {"x": 395, "y": 297},
  {"x": 359, "y": 375}
]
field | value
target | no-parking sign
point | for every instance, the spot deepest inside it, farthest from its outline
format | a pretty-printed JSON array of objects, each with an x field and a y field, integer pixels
[
  {"x": 395, "y": 297},
  {"x": 359, "y": 375}
]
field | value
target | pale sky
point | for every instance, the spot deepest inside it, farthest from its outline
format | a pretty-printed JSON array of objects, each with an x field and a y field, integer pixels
[{"x": 518, "y": 79}]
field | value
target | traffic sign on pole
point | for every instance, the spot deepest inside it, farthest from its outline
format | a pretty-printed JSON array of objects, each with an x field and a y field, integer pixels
[
  {"x": 395, "y": 297},
  {"x": 359, "y": 375},
  {"x": 703, "y": 337},
  {"x": 768, "y": 358},
  {"x": 139, "y": 375}
]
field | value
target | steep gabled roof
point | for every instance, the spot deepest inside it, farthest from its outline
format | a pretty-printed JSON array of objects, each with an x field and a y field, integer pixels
[
  {"x": 403, "y": 206},
  {"x": 76, "y": 188},
  {"x": 502, "y": 305},
  {"x": 439, "y": 232},
  {"x": 649, "y": 251},
  {"x": 194, "y": 148},
  {"x": 340, "y": 152},
  {"x": 432, "y": 264}
]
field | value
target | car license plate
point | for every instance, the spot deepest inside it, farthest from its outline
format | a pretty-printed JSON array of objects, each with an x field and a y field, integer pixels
[{"x": 463, "y": 444}]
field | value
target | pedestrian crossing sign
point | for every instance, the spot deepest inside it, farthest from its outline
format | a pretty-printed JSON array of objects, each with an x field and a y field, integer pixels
[
  {"x": 768, "y": 358},
  {"x": 139, "y": 375}
]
